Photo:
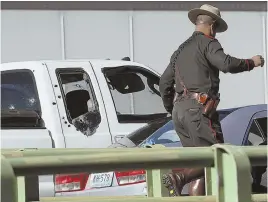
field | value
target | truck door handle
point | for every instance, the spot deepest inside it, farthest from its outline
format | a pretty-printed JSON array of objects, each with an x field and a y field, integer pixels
[{"x": 118, "y": 137}]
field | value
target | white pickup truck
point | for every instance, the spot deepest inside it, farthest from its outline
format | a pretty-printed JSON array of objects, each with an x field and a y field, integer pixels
[{"x": 75, "y": 104}]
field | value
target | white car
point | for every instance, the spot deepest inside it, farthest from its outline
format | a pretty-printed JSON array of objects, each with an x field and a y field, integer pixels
[{"x": 126, "y": 183}]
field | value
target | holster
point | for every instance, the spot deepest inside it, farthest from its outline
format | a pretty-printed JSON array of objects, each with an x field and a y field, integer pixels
[{"x": 210, "y": 107}]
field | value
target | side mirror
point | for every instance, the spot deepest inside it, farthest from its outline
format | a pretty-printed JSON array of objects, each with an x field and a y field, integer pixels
[
  {"x": 118, "y": 137},
  {"x": 88, "y": 123},
  {"x": 126, "y": 58}
]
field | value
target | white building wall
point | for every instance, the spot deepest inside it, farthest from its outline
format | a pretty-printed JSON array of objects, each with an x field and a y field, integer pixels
[
  {"x": 30, "y": 35},
  {"x": 149, "y": 37}
]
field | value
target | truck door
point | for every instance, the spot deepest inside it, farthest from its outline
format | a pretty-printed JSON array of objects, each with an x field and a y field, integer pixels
[
  {"x": 80, "y": 104},
  {"x": 19, "y": 93},
  {"x": 134, "y": 98},
  {"x": 21, "y": 117}
]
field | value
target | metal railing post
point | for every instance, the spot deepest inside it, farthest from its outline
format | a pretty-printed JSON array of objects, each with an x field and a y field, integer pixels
[
  {"x": 8, "y": 182},
  {"x": 155, "y": 187},
  {"x": 233, "y": 174},
  {"x": 28, "y": 188},
  {"x": 21, "y": 189},
  {"x": 210, "y": 178}
]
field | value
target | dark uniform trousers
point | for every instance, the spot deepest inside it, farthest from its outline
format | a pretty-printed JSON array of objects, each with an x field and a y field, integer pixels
[{"x": 193, "y": 128}]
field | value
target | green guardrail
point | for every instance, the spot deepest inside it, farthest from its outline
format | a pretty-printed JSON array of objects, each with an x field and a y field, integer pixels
[
  {"x": 255, "y": 198},
  {"x": 227, "y": 170}
]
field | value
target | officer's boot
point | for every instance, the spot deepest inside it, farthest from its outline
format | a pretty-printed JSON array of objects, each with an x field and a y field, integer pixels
[
  {"x": 175, "y": 182},
  {"x": 197, "y": 187}
]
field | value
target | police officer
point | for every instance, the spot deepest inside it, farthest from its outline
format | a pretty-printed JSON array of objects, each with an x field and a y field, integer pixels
[{"x": 194, "y": 70}]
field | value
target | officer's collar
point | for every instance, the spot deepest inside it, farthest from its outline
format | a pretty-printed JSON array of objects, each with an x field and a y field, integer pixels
[{"x": 196, "y": 33}]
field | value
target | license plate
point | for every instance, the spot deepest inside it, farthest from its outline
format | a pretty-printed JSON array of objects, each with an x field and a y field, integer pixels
[{"x": 98, "y": 180}]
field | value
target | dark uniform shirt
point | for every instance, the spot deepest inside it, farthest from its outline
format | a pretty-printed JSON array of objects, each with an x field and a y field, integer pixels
[{"x": 199, "y": 60}]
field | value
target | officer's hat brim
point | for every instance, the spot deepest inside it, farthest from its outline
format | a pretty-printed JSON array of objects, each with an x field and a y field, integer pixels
[{"x": 194, "y": 13}]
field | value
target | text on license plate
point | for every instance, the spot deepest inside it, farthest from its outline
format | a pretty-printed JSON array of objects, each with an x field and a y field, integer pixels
[{"x": 98, "y": 180}]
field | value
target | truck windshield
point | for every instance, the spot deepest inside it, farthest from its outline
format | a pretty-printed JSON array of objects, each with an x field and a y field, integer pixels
[
  {"x": 135, "y": 92},
  {"x": 18, "y": 91}
]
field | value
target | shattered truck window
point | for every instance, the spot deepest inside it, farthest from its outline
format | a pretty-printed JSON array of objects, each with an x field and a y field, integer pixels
[
  {"x": 18, "y": 91},
  {"x": 80, "y": 102},
  {"x": 135, "y": 93}
]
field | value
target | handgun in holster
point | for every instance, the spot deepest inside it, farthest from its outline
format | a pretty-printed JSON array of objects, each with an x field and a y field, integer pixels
[{"x": 210, "y": 107}]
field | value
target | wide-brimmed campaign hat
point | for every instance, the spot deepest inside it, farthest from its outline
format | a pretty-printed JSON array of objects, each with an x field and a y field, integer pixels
[{"x": 210, "y": 11}]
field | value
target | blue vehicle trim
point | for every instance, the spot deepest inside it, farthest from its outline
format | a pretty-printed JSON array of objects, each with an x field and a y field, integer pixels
[
  {"x": 238, "y": 122},
  {"x": 257, "y": 115},
  {"x": 235, "y": 125}
]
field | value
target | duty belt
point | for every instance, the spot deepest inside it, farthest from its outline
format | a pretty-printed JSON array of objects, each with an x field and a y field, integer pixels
[{"x": 201, "y": 98}]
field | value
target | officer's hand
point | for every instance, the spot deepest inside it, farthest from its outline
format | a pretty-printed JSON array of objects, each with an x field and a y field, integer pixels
[{"x": 258, "y": 60}]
